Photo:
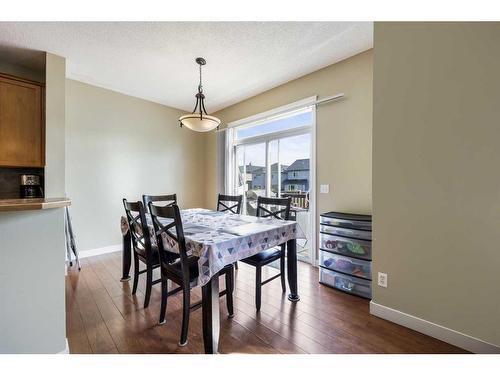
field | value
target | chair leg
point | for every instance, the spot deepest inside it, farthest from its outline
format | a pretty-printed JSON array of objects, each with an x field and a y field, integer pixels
[
  {"x": 258, "y": 287},
  {"x": 164, "y": 296},
  {"x": 185, "y": 315},
  {"x": 136, "y": 273},
  {"x": 229, "y": 292},
  {"x": 149, "y": 284},
  {"x": 283, "y": 272}
]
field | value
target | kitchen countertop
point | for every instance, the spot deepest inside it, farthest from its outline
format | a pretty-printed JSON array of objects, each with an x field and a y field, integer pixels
[{"x": 33, "y": 204}]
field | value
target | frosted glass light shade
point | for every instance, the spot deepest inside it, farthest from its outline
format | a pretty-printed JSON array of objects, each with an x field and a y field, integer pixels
[{"x": 194, "y": 122}]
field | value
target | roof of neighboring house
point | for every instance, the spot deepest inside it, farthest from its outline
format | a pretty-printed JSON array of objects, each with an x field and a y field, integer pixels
[
  {"x": 252, "y": 168},
  {"x": 299, "y": 165},
  {"x": 295, "y": 182},
  {"x": 259, "y": 169},
  {"x": 274, "y": 167}
]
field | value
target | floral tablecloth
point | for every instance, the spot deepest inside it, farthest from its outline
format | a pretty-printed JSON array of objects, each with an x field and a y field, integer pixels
[{"x": 221, "y": 238}]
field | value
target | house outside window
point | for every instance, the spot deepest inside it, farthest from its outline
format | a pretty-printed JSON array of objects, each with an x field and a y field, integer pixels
[{"x": 297, "y": 176}]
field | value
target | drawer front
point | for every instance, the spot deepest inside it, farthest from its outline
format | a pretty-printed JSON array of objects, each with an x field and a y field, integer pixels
[
  {"x": 346, "y": 283},
  {"x": 353, "y": 224},
  {"x": 355, "y": 267},
  {"x": 362, "y": 234},
  {"x": 346, "y": 246}
]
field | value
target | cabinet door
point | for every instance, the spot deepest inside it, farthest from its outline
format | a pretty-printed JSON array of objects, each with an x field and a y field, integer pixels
[{"x": 22, "y": 136}]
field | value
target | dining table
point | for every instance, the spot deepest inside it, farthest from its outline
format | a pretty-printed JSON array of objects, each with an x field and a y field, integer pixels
[{"x": 220, "y": 238}]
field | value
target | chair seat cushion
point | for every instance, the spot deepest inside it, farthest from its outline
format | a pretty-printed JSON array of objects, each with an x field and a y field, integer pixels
[
  {"x": 154, "y": 254},
  {"x": 170, "y": 256},
  {"x": 264, "y": 257},
  {"x": 175, "y": 269}
]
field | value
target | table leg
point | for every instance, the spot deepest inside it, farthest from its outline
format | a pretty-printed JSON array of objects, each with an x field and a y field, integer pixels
[
  {"x": 126, "y": 256},
  {"x": 291, "y": 254},
  {"x": 210, "y": 306}
]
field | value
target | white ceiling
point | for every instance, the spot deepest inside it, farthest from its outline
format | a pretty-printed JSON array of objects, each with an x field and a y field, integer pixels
[{"x": 155, "y": 60}]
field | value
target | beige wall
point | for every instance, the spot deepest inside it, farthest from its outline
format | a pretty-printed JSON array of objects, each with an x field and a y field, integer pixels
[
  {"x": 55, "y": 88},
  {"x": 343, "y": 131},
  {"x": 122, "y": 147},
  {"x": 436, "y": 186}
]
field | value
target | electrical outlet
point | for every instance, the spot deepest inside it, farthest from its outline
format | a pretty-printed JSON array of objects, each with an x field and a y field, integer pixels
[
  {"x": 324, "y": 189},
  {"x": 382, "y": 279}
]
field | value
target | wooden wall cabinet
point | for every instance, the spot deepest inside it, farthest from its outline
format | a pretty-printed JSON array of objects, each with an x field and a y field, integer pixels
[{"x": 22, "y": 122}]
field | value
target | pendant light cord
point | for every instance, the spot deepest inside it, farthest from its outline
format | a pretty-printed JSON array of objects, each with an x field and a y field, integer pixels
[{"x": 200, "y": 86}]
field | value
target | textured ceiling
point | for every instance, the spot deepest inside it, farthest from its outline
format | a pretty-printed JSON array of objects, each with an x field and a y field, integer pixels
[{"x": 155, "y": 60}]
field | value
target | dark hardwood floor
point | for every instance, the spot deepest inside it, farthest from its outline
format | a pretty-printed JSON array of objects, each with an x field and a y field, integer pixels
[{"x": 103, "y": 317}]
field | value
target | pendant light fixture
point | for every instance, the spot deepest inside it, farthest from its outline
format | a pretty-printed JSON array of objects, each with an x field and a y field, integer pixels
[{"x": 199, "y": 120}]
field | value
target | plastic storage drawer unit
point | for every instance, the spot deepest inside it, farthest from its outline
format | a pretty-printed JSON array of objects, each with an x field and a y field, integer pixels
[
  {"x": 346, "y": 246},
  {"x": 344, "y": 220},
  {"x": 345, "y": 252},
  {"x": 347, "y": 232},
  {"x": 349, "y": 284},
  {"x": 351, "y": 266}
]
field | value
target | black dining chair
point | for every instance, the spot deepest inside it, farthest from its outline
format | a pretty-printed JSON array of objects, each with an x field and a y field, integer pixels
[
  {"x": 166, "y": 199},
  {"x": 269, "y": 207},
  {"x": 143, "y": 249},
  {"x": 225, "y": 203},
  {"x": 184, "y": 271}
]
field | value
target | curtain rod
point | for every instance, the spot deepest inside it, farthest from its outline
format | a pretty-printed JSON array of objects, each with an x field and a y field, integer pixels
[{"x": 328, "y": 99}]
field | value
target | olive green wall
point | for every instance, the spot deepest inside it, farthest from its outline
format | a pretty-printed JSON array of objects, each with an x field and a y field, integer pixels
[{"x": 436, "y": 186}]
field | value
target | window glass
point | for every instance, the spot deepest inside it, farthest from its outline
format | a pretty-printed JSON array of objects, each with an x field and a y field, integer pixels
[{"x": 284, "y": 122}]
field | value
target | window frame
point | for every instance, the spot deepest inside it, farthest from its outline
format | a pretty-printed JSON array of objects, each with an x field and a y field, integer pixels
[{"x": 231, "y": 144}]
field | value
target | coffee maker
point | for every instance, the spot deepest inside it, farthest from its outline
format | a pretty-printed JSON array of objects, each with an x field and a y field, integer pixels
[{"x": 31, "y": 186}]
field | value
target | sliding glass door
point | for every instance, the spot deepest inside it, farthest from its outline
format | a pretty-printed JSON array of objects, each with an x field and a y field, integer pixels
[
  {"x": 295, "y": 182},
  {"x": 276, "y": 163},
  {"x": 251, "y": 179}
]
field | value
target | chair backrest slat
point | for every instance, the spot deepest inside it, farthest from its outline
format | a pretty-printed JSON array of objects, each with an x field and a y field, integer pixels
[
  {"x": 223, "y": 203},
  {"x": 168, "y": 199},
  {"x": 278, "y": 208},
  {"x": 138, "y": 227}
]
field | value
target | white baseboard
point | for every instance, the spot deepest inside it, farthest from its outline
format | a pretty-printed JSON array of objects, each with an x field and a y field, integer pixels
[
  {"x": 66, "y": 349},
  {"x": 448, "y": 335},
  {"x": 100, "y": 251}
]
